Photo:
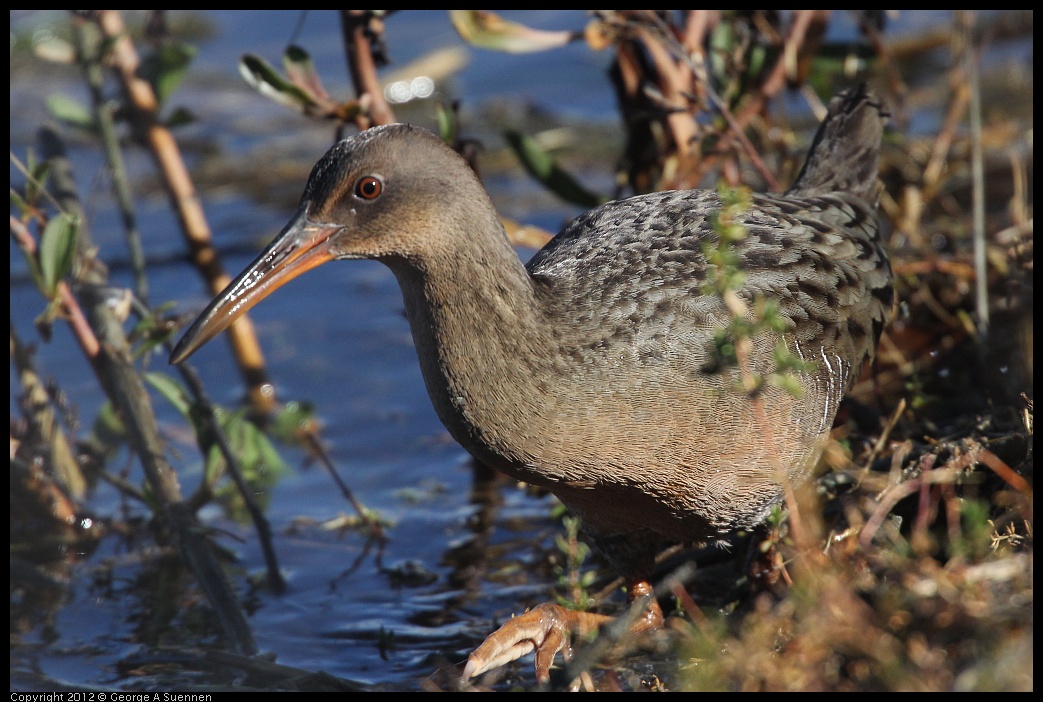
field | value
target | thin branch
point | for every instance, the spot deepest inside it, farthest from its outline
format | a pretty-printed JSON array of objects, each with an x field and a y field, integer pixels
[
  {"x": 71, "y": 310},
  {"x": 235, "y": 470},
  {"x": 184, "y": 199},
  {"x": 39, "y": 413},
  {"x": 125, "y": 389},
  {"x": 89, "y": 58},
  {"x": 356, "y": 27},
  {"x": 971, "y": 58},
  {"x": 736, "y": 125},
  {"x": 313, "y": 443}
]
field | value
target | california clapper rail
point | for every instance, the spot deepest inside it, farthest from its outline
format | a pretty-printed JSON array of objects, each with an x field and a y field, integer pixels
[{"x": 595, "y": 370}]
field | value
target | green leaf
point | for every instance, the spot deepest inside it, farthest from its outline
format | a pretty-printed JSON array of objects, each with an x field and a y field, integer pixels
[
  {"x": 108, "y": 431},
  {"x": 170, "y": 389},
  {"x": 179, "y": 117},
  {"x": 36, "y": 182},
  {"x": 490, "y": 31},
  {"x": 18, "y": 203},
  {"x": 447, "y": 124},
  {"x": 722, "y": 42},
  {"x": 45, "y": 320},
  {"x": 300, "y": 70},
  {"x": 152, "y": 330},
  {"x": 259, "y": 74},
  {"x": 269, "y": 462},
  {"x": 55, "y": 49},
  {"x": 57, "y": 251},
  {"x": 64, "y": 109},
  {"x": 34, "y": 269},
  {"x": 542, "y": 166},
  {"x": 291, "y": 419},
  {"x": 788, "y": 383},
  {"x": 165, "y": 68},
  {"x": 261, "y": 464}
]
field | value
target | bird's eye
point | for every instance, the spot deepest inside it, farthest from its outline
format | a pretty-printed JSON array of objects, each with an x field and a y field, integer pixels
[{"x": 368, "y": 187}]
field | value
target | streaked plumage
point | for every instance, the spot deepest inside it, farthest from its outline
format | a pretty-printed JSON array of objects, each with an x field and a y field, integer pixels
[{"x": 592, "y": 371}]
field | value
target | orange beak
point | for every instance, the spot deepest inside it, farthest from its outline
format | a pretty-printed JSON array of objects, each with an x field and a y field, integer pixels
[{"x": 301, "y": 246}]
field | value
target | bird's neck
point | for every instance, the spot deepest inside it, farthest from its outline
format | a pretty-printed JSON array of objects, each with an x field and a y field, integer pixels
[{"x": 482, "y": 340}]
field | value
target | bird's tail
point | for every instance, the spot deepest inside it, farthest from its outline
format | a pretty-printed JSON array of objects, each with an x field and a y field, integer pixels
[{"x": 845, "y": 155}]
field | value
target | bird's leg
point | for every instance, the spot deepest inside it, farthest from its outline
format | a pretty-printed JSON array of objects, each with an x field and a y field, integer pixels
[
  {"x": 547, "y": 629},
  {"x": 765, "y": 568},
  {"x": 652, "y": 618}
]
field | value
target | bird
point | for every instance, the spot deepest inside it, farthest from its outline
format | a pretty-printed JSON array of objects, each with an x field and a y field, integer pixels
[{"x": 595, "y": 370}]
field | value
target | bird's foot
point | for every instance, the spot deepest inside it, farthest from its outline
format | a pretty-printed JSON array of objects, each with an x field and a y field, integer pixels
[
  {"x": 549, "y": 628},
  {"x": 545, "y": 629}
]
